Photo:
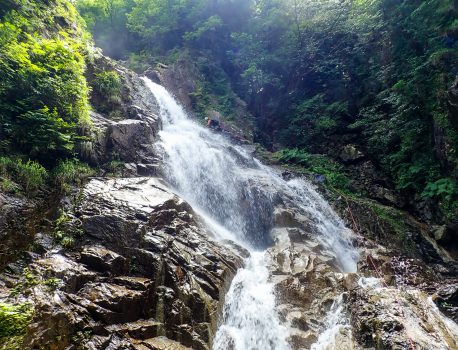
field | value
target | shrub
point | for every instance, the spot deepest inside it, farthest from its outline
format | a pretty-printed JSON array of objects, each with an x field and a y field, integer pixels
[
  {"x": 43, "y": 91},
  {"x": 14, "y": 172},
  {"x": 108, "y": 84},
  {"x": 31, "y": 175},
  {"x": 71, "y": 171},
  {"x": 317, "y": 164},
  {"x": 443, "y": 188}
]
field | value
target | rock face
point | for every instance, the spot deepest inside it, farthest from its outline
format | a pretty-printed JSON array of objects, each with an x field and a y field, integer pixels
[
  {"x": 145, "y": 275},
  {"x": 183, "y": 79},
  {"x": 17, "y": 225},
  {"x": 306, "y": 277},
  {"x": 124, "y": 131},
  {"x": 388, "y": 318},
  {"x": 388, "y": 304}
]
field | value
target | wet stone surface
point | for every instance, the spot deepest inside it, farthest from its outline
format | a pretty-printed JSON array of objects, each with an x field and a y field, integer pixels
[{"x": 145, "y": 274}]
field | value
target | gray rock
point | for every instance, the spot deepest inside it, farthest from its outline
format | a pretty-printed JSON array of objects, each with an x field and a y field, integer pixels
[{"x": 146, "y": 272}]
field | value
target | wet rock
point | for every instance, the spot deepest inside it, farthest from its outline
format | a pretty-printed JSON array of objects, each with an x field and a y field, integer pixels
[
  {"x": 101, "y": 259},
  {"x": 306, "y": 277},
  {"x": 145, "y": 275},
  {"x": 446, "y": 299},
  {"x": 147, "y": 169},
  {"x": 152, "y": 74},
  {"x": 18, "y": 225},
  {"x": 388, "y": 318}
]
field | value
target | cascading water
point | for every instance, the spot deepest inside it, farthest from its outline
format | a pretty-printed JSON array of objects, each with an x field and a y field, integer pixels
[
  {"x": 236, "y": 195},
  {"x": 250, "y": 321},
  {"x": 336, "y": 323}
]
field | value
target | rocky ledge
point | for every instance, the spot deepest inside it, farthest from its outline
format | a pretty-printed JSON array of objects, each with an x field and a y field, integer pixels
[
  {"x": 143, "y": 275},
  {"x": 392, "y": 302}
]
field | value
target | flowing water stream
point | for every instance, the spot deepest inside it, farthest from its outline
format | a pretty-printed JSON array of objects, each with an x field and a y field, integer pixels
[{"x": 236, "y": 196}]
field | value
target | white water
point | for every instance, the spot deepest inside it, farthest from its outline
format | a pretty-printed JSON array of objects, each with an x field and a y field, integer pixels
[
  {"x": 250, "y": 320},
  {"x": 236, "y": 195},
  {"x": 336, "y": 324}
]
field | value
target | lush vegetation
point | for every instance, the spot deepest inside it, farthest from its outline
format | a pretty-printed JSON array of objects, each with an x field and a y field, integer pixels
[
  {"x": 317, "y": 73},
  {"x": 324, "y": 168},
  {"x": 44, "y": 105},
  {"x": 43, "y": 92},
  {"x": 14, "y": 320},
  {"x": 28, "y": 177}
]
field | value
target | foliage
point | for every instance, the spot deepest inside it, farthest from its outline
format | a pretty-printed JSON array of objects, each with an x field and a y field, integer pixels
[
  {"x": 71, "y": 171},
  {"x": 114, "y": 168},
  {"x": 445, "y": 191},
  {"x": 394, "y": 221},
  {"x": 14, "y": 320},
  {"x": 108, "y": 84},
  {"x": 66, "y": 230},
  {"x": 30, "y": 175},
  {"x": 43, "y": 92},
  {"x": 317, "y": 164}
]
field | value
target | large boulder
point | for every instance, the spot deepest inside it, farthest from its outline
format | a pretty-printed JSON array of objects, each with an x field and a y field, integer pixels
[{"x": 146, "y": 273}]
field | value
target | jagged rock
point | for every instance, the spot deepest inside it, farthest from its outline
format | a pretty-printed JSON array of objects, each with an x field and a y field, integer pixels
[
  {"x": 388, "y": 318},
  {"x": 101, "y": 259},
  {"x": 130, "y": 135},
  {"x": 145, "y": 275}
]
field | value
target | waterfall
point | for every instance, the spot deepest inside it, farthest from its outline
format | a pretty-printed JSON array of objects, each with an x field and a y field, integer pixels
[{"x": 236, "y": 195}]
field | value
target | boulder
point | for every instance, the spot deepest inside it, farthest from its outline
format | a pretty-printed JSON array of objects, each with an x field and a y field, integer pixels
[
  {"x": 146, "y": 273},
  {"x": 125, "y": 130}
]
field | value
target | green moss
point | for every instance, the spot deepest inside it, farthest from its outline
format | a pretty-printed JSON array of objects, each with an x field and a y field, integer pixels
[
  {"x": 14, "y": 320},
  {"x": 395, "y": 222}
]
